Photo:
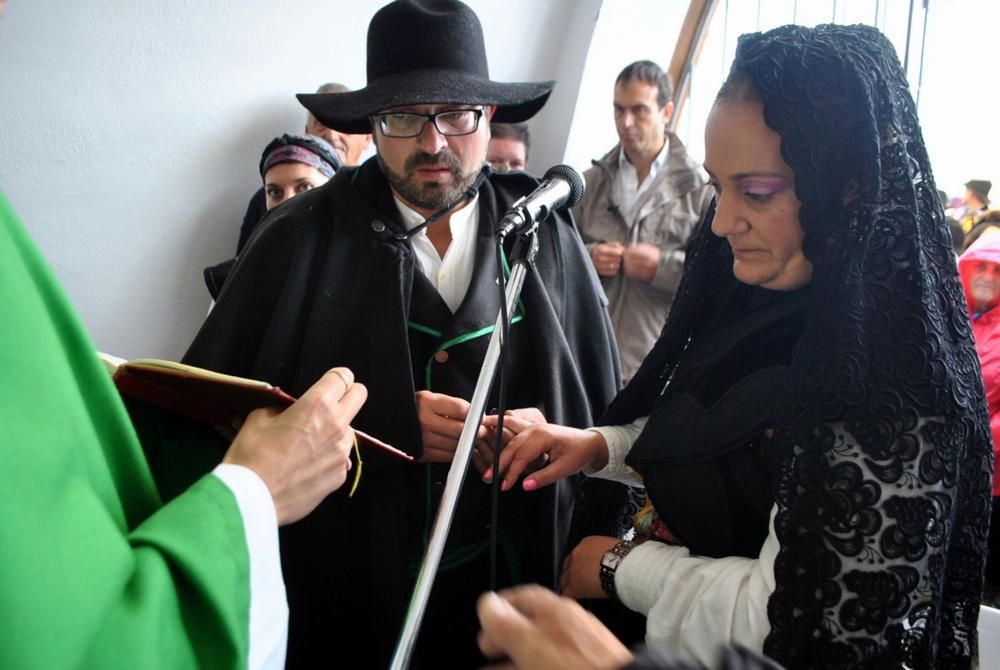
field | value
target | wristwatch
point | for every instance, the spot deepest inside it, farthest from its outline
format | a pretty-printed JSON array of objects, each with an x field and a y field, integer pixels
[{"x": 609, "y": 564}]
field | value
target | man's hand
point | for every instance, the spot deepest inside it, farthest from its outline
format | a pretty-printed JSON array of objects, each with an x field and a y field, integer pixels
[
  {"x": 581, "y": 574},
  {"x": 441, "y": 418},
  {"x": 641, "y": 261},
  {"x": 534, "y": 628},
  {"x": 607, "y": 258},
  {"x": 303, "y": 453}
]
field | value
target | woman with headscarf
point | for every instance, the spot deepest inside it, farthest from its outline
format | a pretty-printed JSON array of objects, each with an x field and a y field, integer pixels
[
  {"x": 290, "y": 164},
  {"x": 810, "y": 427}
]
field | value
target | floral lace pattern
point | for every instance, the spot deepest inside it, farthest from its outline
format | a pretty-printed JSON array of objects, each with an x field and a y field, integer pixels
[
  {"x": 883, "y": 449},
  {"x": 881, "y": 452}
]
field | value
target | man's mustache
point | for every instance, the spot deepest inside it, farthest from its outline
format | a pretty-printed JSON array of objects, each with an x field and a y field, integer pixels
[{"x": 445, "y": 158}]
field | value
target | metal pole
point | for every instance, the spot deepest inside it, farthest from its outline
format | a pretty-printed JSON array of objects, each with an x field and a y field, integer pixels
[
  {"x": 456, "y": 475},
  {"x": 909, "y": 29},
  {"x": 923, "y": 45}
]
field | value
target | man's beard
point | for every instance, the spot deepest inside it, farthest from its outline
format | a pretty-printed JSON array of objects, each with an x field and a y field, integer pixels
[{"x": 431, "y": 195}]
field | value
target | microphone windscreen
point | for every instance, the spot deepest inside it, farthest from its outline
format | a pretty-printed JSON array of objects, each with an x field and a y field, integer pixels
[{"x": 577, "y": 185}]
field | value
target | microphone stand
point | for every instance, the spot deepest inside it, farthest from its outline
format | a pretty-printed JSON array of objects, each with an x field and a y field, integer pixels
[{"x": 522, "y": 259}]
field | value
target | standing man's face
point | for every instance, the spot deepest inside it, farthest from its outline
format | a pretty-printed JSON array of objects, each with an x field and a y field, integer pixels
[
  {"x": 430, "y": 171},
  {"x": 640, "y": 121}
]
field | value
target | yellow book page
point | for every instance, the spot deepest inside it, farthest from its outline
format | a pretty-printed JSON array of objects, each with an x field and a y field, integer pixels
[{"x": 113, "y": 363}]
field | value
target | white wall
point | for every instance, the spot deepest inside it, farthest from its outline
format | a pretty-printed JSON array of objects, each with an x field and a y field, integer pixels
[{"x": 130, "y": 131}]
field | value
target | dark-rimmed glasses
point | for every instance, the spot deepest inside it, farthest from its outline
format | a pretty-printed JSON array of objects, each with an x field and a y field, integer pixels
[{"x": 410, "y": 124}]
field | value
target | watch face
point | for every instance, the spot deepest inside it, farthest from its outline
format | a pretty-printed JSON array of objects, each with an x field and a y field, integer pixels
[{"x": 611, "y": 560}]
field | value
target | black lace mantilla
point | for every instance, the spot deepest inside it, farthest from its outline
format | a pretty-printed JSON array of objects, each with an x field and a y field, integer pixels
[{"x": 882, "y": 451}]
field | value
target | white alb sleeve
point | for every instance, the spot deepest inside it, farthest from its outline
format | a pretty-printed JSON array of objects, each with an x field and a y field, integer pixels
[
  {"x": 695, "y": 605},
  {"x": 268, "y": 603}
]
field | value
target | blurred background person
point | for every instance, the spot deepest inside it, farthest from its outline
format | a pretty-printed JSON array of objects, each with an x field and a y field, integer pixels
[
  {"x": 290, "y": 165},
  {"x": 958, "y": 242},
  {"x": 979, "y": 268},
  {"x": 294, "y": 164},
  {"x": 985, "y": 224},
  {"x": 349, "y": 147},
  {"x": 976, "y": 201},
  {"x": 509, "y": 146},
  {"x": 643, "y": 201}
]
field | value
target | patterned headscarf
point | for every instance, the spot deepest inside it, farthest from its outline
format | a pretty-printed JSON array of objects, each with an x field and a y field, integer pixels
[
  {"x": 311, "y": 150},
  {"x": 881, "y": 451}
]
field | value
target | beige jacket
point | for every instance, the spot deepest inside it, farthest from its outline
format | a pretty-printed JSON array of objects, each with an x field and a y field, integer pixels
[{"x": 665, "y": 215}]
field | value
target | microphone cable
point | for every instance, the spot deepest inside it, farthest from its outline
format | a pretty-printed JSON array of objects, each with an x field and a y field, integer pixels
[{"x": 467, "y": 194}]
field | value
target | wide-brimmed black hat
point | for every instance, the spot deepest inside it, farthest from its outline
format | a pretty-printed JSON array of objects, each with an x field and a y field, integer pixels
[
  {"x": 981, "y": 187},
  {"x": 423, "y": 52}
]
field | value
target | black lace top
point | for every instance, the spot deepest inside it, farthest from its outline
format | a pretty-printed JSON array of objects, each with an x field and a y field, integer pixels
[{"x": 881, "y": 450}]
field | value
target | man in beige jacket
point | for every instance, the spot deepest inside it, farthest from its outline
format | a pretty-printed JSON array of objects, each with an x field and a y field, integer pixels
[{"x": 643, "y": 201}]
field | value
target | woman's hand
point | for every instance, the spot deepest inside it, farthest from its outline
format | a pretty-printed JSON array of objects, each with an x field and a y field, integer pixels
[
  {"x": 482, "y": 454},
  {"x": 581, "y": 573},
  {"x": 566, "y": 450}
]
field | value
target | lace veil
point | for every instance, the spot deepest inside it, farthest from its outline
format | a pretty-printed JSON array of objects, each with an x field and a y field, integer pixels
[{"x": 881, "y": 452}]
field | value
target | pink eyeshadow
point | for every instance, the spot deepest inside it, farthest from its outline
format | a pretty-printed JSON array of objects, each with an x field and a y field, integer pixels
[{"x": 765, "y": 185}]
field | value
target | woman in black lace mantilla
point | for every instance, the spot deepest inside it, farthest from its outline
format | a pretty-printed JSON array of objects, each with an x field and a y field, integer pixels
[{"x": 865, "y": 416}]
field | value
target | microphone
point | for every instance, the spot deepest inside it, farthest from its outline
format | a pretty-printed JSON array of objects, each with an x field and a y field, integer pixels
[{"x": 562, "y": 186}]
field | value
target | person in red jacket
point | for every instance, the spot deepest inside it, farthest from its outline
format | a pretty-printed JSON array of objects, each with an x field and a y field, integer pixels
[{"x": 979, "y": 267}]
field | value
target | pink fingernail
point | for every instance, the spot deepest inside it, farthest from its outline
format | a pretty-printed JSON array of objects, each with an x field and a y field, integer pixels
[
  {"x": 488, "y": 475},
  {"x": 529, "y": 484}
]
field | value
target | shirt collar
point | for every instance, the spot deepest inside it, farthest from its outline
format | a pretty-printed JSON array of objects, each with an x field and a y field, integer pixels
[
  {"x": 658, "y": 162},
  {"x": 412, "y": 218}
]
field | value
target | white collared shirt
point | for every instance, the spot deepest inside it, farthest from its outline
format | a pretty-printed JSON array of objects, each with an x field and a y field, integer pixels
[
  {"x": 452, "y": 274},
  {"x": 692, "y": 603},
  {"x": 627, "y": 186}
]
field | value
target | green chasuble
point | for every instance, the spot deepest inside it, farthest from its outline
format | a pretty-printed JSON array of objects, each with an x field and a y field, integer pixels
[{"x": 95, "y": 571}]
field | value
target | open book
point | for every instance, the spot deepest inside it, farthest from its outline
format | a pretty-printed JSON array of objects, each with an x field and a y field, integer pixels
[{"x": 204, "y": 395}]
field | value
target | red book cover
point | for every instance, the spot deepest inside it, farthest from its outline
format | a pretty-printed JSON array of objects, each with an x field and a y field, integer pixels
[{"x": 204, "y": 395}]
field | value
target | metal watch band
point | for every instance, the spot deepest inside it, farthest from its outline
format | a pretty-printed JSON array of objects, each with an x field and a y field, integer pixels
[{"x": 609, "y": 564}]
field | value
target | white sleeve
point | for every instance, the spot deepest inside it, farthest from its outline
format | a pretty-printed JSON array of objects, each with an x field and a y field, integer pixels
[
  {"x": 694, "y": 605},
  {"x": 620, "y": 440},
  {"x": 268, "y": 603}
]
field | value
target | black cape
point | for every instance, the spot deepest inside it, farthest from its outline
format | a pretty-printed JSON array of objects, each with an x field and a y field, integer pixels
[{"x": 325, "y": 282}]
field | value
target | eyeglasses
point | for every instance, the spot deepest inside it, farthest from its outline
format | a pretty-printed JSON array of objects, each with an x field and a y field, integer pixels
[{"x": 410, "y": 124}]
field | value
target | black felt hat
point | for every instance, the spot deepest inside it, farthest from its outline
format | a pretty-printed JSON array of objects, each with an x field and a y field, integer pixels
[{"x": 425, "y": 52}]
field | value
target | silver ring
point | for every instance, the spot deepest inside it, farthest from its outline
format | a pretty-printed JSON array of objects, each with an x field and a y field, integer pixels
[{"x": 342, "y": 378}]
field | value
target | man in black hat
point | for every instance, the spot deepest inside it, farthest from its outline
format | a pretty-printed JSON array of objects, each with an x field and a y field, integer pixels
[
  {"x": 390, "y": 268},
  {"x": 977, "y": 201}
]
